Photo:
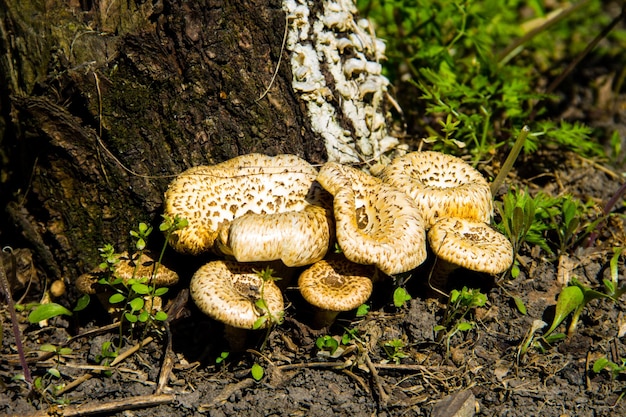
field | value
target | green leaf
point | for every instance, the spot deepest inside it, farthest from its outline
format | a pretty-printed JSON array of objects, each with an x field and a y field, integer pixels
[
  {"x": 82, "y": 302},
  {"x": 221, "y": 358},
  {"x": 465, "y": 326},
  {"x": 519, "y": 303},
  {"x": 143, "y": 316},
  {"x": 327, "y": 343},
  {"x": 362, "y": 310},
  {"x": 400, "y": 297},
  {"x": 257, "y": 372},
  {"x": 141, "y": 244},
  {"x": 54, "y": 372},
  {"x": 142, "y": 289},
  {"x": 137, "y": 304},
  {"x": 569, "y": 299},
  {"x": 600, "y": 364},
  {"x": 161, "y": 291},
  {"x": 130, "y": 317},
  {"x": 65, "y": 351},
  {"x": 259, "y": 323},
  {"x": 116, "y": 298},
  {"x": 48, "y": 348},
  {"x": 160, "y": 316},
  {"x": 47, "y": 311}
]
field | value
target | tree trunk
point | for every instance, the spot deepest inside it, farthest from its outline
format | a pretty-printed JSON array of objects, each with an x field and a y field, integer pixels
[{"x": 103, "y": 102}]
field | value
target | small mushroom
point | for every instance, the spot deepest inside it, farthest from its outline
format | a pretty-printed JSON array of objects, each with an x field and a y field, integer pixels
[
  {"x": 375, "y": 223},
  {"x": 210, "y": 196},
  {"x": 441, "y": 185},
  {"x": 228, "y": 292},
  {"x": 297, "y": 238},
  {"x": 462, "y": 243},
  {"x": 137, "y": 266},
  {"x": 333, "y": 286}
]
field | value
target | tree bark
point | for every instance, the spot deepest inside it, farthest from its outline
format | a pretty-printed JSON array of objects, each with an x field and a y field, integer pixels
[{"x": 103, "y": 102}]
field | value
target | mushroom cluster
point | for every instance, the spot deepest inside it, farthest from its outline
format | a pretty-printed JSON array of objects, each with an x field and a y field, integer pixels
[
  {"x": 456, "y": 202},
  {"x": 257, "y": 208}
]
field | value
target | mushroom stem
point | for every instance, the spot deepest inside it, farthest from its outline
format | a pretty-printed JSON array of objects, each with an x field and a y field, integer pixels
[
  {"x": 441, "y": 270},
  {"x": 236, "y": 337},
  {"x": 323, "y": 318}
]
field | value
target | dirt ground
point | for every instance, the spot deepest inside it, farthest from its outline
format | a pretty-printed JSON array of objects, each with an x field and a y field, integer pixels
[{"x": 482, "y": 373}]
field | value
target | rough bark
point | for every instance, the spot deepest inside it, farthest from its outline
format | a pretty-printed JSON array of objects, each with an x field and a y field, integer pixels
[{"x": 103, "y": 102}]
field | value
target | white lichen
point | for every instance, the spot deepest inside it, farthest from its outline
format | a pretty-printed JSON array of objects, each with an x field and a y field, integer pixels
[{"x": 336, "y": 70}]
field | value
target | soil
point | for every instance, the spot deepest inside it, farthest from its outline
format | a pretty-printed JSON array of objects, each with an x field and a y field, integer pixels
[{"x": 480, "y": 372}]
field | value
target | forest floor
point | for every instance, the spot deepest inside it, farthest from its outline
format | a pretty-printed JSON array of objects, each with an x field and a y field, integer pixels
[{"x": 481, "y": 372}]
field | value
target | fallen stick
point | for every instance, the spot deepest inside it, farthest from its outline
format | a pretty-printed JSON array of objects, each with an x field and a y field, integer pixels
[{"x": 109, "y": 407}]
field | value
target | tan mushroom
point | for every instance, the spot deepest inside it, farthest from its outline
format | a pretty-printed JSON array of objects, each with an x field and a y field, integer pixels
[
  {"x": 467, "y": 244},
  {"x": 210, "y": 197},
  {"x": 138, "y": 266},
  {"x": 333, "y": 286},
  {"x": 375, "y": 223},
  {"x": 441, "y": 185},
  {"x": 228, "y": 292},
  {"x": 297, "y": 238}
]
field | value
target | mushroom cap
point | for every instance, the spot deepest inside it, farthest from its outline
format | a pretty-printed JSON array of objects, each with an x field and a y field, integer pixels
[
  {"x": 297, "y": 238},
  {"x": 470, "y": 244},
  {"x": 336, "y": 284},
  {"x": 210, "y": 196},
  {"x": 375, "y": 223},
  {"x": 138, "y": 266},
  {"x": 441, "y": 185},
  {"x": 143, "y": 266},
  {"x": 227, "y": 291}
]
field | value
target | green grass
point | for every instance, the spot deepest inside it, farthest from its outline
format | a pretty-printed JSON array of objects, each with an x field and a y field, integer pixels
[{"x": 470, "y": 98}]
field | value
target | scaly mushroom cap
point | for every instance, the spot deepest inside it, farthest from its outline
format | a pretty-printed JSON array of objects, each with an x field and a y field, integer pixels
[
  {"x": 210, "y": 196},
  {"x": 471, "y": 245},
  {"x": 375, "y": 223},
  {"x": 139, "y": 266},
  {"x": 336, "y": 285},
  {"x": 297, "y": 238},
  {"x": 227, "y": 291},
  {"x": 441, "y": 185}
]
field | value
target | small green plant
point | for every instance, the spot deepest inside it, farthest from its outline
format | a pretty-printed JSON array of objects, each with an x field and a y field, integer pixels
[
  {"x": 257, "y": 372},
  {"x": 220, "y": 359},
  {"x": 616, "y": 370},
  {"x": 394, "y": 349},
  {"x": 572, "y": 300},
  {"x": 555, "y": 224},
  {"x": 400, "y": 297},
  {"x": 268, "y": 318},
  {"x": 517, "y": 211},
  {"x": 136, "y": 296},
  {"x": 51, "y": 384},
  {"x": 461, "y": 305},
  {"x": 362, "y": 310},
  {"x": 327, "y": 343},
  {"x": 107, "y": 354}
]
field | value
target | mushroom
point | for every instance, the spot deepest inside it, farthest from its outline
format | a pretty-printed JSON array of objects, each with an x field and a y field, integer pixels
[
  {"x": 441, "y": 185},
  {"x": 333, "y": 286},
  {"x": 468, "y": 244},
  {"x": 297, "y": 238},
  {"x": 138, "y": 266},
  {"x": 228, "y": 292},
  {"x": 375, "y": 223},
  {"x": 210, "y": 197}
]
